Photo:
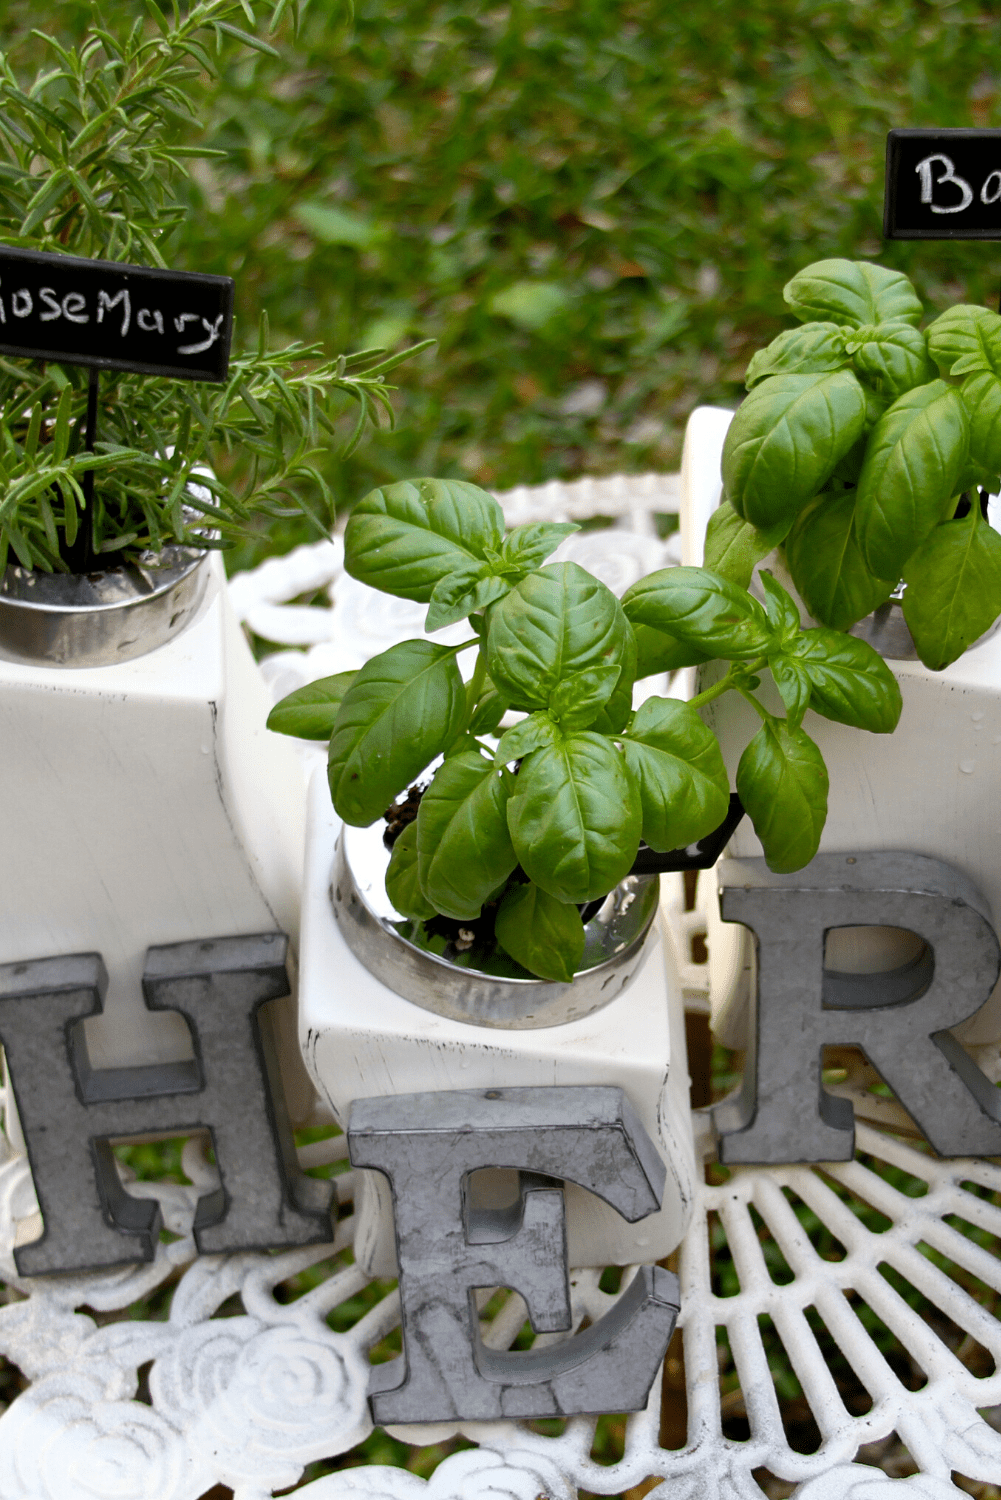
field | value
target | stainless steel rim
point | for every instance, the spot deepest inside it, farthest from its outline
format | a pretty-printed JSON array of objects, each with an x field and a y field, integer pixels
[
  {"x": 377, "y": 935},
  {"x": 885, "y": 630},
  {"x": 97, "y": 619}
]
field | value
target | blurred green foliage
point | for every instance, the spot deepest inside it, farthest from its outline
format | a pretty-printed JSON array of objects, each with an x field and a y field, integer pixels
[{"x": 593, "y": 207}]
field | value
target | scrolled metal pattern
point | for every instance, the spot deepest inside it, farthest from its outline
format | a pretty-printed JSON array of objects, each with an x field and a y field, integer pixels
[{"x": 885, "y": 1267}]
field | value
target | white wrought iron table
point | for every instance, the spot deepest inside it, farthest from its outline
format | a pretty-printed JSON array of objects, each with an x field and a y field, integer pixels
[{"x": 787, "y": 1274}]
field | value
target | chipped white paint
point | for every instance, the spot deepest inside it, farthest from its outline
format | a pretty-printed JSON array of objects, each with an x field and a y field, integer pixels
[{"x": 151, "y": 807}]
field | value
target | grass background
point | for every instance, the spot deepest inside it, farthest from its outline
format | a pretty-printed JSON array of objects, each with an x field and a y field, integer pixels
[{"x": 591, "y": 206}]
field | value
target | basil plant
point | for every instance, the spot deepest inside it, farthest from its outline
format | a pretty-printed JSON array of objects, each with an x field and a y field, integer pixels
[
  {"x": 530, "y": 822},
  {"x": 856, "y": 451}
]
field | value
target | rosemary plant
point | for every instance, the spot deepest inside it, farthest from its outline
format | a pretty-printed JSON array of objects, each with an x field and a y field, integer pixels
[{"x": 91, "y": 157}]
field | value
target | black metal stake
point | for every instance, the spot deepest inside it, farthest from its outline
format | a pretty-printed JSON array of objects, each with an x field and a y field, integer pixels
[
  {"x": 87, "y": 519},
  {"x": 81, "y": 555}
]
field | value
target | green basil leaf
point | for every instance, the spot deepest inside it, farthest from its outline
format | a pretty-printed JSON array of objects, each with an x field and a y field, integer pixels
[
  {"x": 847, "y": 470},
  {"x": 853, "y": 292},
  {"x": 544, "y": 935},
  {"x": 701, "y": 610},
  {"x": 463, "y": 743},
  {"x": 896, "y": 354},
  {"x": 966, "y": 338},
  {"x": 782, "y": 782},
  {"x": 657, "y": 651},
  {"x": 522, "y": 738},
  {"x": 953, "y": 589},
  {"x": 793, "y": 685},
  {"x": 405, "y": 537},
  {"x": 403, "y": 708},
  {"x": 785, "y": 440},
  {"x": 824, "y": 557},
  {"x": 575, "y": 816},
  {"x": 491, "y": 709},
  {"x": 464, "y": 849},
  {"x": 783, "y": 616},
  {"x": 576, "y": 701},
  {"x": 849, "y": 681},
  {"x": 976, "y": 477},
  {"x": 981, "y": 395},
  {"x": 875, "y": 406},
  {"x": 733, "y": 546},
  {"x": 676, "y": 761},
  {"x": 916, "y": 453},
  {"x": 615, "y": 713},
  {"x": 556, "y": 621},
  {"x": 809, "y": 350},
  {"x": 527, "y": 546},
  {"x": 310, "y": 711},
  {"x": 459, "y": 593},
  {"x": 402, "y": 884}
]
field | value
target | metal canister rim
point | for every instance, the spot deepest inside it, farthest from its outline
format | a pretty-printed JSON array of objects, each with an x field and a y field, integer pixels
[
  {"x": 378, "y": 937},
  {"x": 99, "y": 619}
]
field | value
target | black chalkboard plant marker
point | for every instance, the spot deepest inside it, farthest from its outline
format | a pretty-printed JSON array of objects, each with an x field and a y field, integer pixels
[
  {"x": 943, "y": 185},
  {"x": 99, "y": 599}
]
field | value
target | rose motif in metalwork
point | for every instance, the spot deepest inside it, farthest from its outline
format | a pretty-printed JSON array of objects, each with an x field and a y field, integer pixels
[
  {"x": 377, "y": 1482},
  {"x": 60, "y": 1441},
  {"x": 197, "y": 1369},
  {"x": 261, "y": 1401},
  {"x": 481, "y": 1474},
  {"x": 478, "y": 1474},
  {"x": 860, "y": 1482}
]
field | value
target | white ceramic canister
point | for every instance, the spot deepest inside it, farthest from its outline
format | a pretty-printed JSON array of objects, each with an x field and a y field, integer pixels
[{"x": 146, "y": 803}]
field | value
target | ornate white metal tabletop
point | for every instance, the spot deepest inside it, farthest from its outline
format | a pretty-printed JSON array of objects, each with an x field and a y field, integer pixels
[{"x": 826, "y": 1310}]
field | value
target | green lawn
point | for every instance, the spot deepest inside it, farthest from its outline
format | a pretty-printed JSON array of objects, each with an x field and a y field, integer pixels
[{"x": 591, "y": 206}]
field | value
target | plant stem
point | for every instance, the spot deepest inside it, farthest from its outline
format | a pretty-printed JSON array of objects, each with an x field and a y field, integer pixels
[
  {"x": 716, "y": 691},
  {"x": 763, "y": 712},
  {"x": 474, "y": 687},
  {"x": 729, "y": 681}
]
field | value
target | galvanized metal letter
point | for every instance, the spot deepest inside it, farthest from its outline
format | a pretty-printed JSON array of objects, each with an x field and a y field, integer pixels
[
  {"x": 900, "y": 1020},
  {"x": 428, "y": 1145},
  {"x": 70, "y": 1111}
]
